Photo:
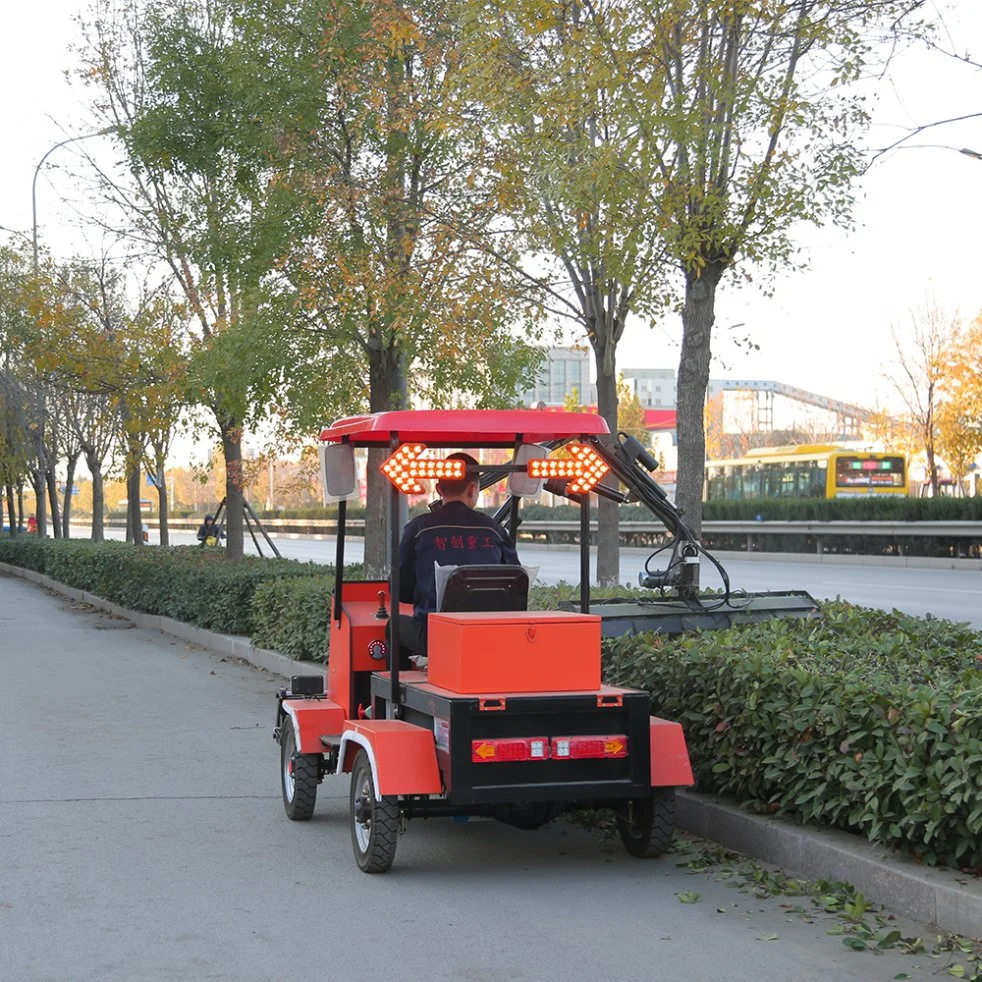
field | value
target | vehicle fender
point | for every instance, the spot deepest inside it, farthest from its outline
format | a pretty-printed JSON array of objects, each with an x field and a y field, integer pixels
[
  {"x": 670, "y": 765},
  {"x": 402, "y": 756},
  {"x": 312, "y": 719}
]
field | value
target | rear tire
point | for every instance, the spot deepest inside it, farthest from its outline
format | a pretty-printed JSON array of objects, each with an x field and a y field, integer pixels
[
  {"x": 374, "y": 821},
  {"x": 298, "y": 775},
  {"x": 646, "y": 825}
]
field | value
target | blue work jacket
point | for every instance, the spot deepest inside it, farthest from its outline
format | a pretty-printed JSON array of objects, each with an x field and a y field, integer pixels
[{"x": 453, "y": 535}]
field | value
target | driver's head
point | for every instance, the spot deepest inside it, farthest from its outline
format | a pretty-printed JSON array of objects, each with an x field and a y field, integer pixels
[{"x": 466, "y": 489}]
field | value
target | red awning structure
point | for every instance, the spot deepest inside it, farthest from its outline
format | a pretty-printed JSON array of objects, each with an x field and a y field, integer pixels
[
  {"x": 660, "y": 419},
  {"x": 463, "y": 427},
  {"x": 654, "y": 419}
]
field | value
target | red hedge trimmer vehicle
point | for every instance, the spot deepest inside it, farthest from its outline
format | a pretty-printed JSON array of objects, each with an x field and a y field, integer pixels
[{"x": 511, "y": 719}]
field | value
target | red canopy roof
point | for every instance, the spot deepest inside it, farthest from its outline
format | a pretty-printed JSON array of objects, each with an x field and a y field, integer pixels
[{"x": 460, "y": 427}]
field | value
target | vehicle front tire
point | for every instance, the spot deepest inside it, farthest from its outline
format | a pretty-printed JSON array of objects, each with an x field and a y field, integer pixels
[
  {"x": 374, "y": 821},
  {"x": 298, "y": 775},
  {"x": 646, "y": 825}
]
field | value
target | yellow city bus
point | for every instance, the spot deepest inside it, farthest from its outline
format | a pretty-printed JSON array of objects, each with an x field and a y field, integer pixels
[{"x": 808, "y": 471}]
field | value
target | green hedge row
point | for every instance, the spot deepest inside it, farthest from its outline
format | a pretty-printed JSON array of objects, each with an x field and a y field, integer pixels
[
  {"x": 187, "y": 583},
  {"x": 864, "y": 721},
  {"x": 885, "y": 508}
]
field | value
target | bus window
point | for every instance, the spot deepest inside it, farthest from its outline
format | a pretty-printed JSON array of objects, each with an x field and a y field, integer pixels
[
  {"x": 732, "y": 482},
  {"x": 750, "y": 485},
  {"x": 787, "y": 480},
  {"x": 819, "y": 485},
  {"x": 714, "y": 484},
  {"x": 771, "y": 480}
]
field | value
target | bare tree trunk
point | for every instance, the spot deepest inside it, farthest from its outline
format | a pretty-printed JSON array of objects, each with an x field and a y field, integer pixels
[
  {"x": 52, "y": 486},
  {"x": 66, "y": 511},
  {"x": 929, "y": 427},
  {"x": 387, "y": 390},
  {"x": 164, "y": 508},
  {"x": 698, "y": 316},
  {"x": 134, "y": 517},
  {"x": 232, "y": 449},
  {"x": 11, "y": 509},
  {"x": 39, "y": 486},
  {"x": 608, "y": 518},
  {"x": 98, "y": 498}
]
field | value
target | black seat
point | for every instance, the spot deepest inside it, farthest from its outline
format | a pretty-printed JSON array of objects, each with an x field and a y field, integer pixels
[{"x": 484, "y": 588}]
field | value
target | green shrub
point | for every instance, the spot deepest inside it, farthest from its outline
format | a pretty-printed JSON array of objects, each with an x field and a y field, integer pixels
[
  {"x": 292, "y": 616},
  {"x": 25, "y": 551},
  {"x": 862, "y": 508},
  {"x": 864, "y": 721},
  {"x": 186, "y": 583}
]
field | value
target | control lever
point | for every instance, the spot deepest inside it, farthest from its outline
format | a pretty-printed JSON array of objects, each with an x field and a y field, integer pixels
[{"x": 381, "y": 614}]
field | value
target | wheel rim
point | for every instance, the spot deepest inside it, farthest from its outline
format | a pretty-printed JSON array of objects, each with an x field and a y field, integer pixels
[
  {"x": 289, "y": 781},
  {"x": 364, "y": 799}
]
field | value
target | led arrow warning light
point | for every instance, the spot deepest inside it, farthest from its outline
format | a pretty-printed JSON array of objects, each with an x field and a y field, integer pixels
[
  {"x": 484, "y": 751},
  {"x": 583, "y": 468},
  {"x": 405, "y": 469},
  {"x": 613, "y": 748}
]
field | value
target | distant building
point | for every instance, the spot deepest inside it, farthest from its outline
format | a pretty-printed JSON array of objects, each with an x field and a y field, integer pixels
[
  {"x": 654, "y": 387},
  {"x": 562, "y": 371}
]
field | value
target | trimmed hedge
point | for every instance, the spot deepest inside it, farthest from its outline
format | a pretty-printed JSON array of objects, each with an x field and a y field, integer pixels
[
  {"x": 292, "y": 616},
  {"x": 866, "y": 508},
  {"x": 194, "y": 585},
  {"x": 864, "y": 721}
]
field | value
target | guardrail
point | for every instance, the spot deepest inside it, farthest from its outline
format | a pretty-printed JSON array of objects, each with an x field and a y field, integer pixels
[{"x": 967, "y": 535}]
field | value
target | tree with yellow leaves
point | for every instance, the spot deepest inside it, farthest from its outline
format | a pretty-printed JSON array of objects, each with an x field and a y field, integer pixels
[{"x": 959, "y": 415}]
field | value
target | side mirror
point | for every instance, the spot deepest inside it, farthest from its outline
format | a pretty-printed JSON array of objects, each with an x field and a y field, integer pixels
[
  {"x": 337, "y": 470},
  {"x": 519, "y": 483}
]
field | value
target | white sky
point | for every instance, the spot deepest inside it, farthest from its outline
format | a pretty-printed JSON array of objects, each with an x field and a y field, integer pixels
[{"x": 827, "y": 330}]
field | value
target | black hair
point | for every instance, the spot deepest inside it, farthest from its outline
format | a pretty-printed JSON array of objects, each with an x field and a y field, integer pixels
[{"x": 457, "y": 488}]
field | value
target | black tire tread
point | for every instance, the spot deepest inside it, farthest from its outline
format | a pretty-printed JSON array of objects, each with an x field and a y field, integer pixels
[
  {"x": 384, "y": 836},
  {"x": 654, "y": 838},
  {"x": 305, "y": 773}
]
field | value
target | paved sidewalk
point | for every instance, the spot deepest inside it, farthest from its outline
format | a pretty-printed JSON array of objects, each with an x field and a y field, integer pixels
[{"x": 941, "y": 897}]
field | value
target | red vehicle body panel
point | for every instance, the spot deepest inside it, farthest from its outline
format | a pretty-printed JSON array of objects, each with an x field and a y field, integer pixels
[
  {"x": 403, "y": 755},
  {"x": 670, "y": 765},
  {"x": 314, "y": 718}
]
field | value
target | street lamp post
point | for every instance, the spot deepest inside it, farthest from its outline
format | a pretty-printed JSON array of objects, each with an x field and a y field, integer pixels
[{"x": 34, "y": 183}]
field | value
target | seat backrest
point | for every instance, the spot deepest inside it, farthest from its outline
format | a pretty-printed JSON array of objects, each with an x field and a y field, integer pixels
[{"x": 482, "y": 588}]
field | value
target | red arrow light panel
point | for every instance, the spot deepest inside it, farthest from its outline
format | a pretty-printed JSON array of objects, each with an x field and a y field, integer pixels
[
  {"x": 584, "y": 468},
  {"x": 406, "y": 468}
]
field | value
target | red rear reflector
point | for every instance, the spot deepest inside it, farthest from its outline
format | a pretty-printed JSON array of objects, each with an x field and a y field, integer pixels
[
  {"x": 525, "y": 748},
  {"x": 583, "y": 747}
]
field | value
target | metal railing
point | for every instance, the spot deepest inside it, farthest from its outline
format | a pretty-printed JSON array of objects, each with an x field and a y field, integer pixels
[{"x": 650, "y": 533}]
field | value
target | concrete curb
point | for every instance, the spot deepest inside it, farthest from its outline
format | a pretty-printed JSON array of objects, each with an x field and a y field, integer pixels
[
  {"x": 941, "y": 897},
  {"x": 930, "y": 895}
]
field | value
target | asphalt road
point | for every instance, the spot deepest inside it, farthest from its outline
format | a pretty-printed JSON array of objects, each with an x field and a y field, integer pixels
[
  {"x": 954, "y": 594},
  {"x": 142, "y": 837}
]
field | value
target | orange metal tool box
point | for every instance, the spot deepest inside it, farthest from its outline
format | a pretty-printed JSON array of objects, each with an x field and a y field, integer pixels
[{"x": 514, "y": 651}]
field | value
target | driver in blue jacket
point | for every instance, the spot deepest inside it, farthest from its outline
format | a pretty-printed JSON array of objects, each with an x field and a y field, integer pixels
[{"x": 452, "y": 535}]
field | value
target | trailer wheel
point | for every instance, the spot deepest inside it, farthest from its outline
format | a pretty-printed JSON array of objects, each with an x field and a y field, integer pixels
[
  {"x": 298, "y": 776},
  {"x": 646, "y": 825},
  {"x": 374, "y": 821}
]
